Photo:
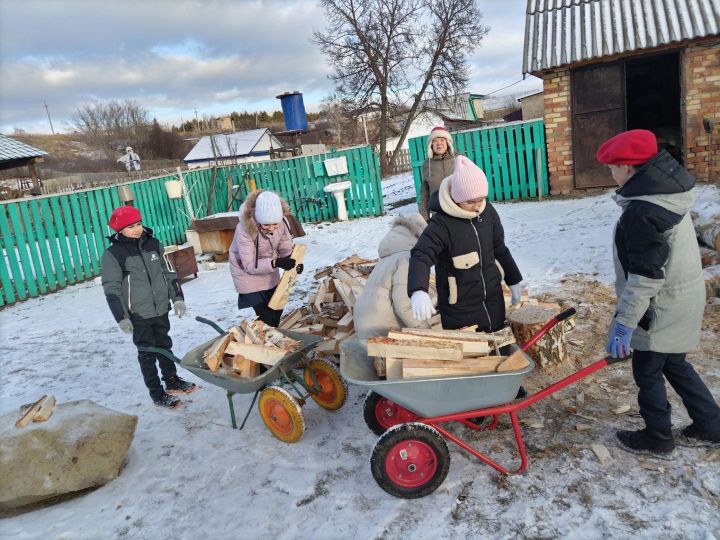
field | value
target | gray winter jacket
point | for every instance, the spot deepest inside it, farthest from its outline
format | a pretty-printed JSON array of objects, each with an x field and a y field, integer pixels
[
  {"x": 660, "y": 288},
  {"x": 384, "y": 303},
  {"x": 137, "y": 279},
  {"x": 434, "y": 171}
]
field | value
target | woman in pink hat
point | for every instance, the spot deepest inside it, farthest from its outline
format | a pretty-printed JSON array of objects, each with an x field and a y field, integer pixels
[
  {"x": 438, "y": 166},
  {"x": 465, "y": 242}
]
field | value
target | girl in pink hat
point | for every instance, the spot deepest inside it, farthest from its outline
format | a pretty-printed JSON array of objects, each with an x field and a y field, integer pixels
[{"x": 465, "y": 242}]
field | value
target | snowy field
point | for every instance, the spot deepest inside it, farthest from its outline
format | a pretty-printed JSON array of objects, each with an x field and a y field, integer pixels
[{"x": 189, "y": 474}]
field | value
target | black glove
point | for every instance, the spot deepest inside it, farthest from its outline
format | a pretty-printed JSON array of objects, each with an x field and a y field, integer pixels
[
  {"x": 286, "y": 263},
  {"x": 299, "y": 268}
]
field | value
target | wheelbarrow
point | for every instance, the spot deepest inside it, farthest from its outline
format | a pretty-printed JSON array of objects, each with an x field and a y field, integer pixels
[
  {"x": 411, "y": 458},
  {"x": 282, "y": 392}
]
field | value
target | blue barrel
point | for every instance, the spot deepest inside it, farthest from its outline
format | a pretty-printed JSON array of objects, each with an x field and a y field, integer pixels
[{"x": 294, "y": 111}]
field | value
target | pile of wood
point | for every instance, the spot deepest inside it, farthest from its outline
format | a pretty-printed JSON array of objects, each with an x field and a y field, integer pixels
[
  {"x": 706, "y": 220},
  {"x": 39, "y": 411},
  {"x": 329, "y": 309},
  {"x": 246, "y": 347},
  {"x": 414, "y": 352}
]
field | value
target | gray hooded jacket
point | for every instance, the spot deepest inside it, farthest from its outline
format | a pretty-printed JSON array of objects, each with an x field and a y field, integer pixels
[{"x": 660, "y": 288}]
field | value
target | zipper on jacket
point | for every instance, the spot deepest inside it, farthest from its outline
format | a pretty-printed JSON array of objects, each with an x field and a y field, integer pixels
[
  {"x": 147, "y": 271},
  {"x": 482, "y": 278},
  {"x": 129, "y": 296}
]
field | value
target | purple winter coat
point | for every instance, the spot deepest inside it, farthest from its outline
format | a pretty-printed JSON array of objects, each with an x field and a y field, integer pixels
[{"x": 252, "y": 251}]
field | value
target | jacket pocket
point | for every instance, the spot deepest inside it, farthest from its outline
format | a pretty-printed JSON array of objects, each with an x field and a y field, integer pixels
[
  {"x": 452, "y": 292},
  {"x": 468, "y": 260}
]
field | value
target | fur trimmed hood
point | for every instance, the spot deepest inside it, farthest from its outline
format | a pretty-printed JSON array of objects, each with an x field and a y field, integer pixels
[
  {"x": 246, "y": 213},
  {"x": 403, "y": 234}
]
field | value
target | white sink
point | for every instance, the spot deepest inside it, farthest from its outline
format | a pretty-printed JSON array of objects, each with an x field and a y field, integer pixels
[{"x": 338, "y": 189}]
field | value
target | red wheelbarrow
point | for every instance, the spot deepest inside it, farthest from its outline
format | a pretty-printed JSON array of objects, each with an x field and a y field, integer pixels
[{"x": 411, "y": 458}]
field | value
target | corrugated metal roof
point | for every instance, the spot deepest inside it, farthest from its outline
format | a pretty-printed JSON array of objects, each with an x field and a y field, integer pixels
[
  {"x": 560, "y": 32},
  {"x": 228, "y": 145},
  {"x": 11, "y": 149}
]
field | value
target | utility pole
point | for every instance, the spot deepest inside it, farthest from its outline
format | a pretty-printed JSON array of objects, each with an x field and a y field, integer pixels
[
  {"x": 49, "y": 119},
  {"x": 197, "y": 124}
]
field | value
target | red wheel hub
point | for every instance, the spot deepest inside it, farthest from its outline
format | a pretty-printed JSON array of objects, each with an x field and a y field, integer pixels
[
  {"x": 328, "y": 393},
  {"x": 278, "y": 415},
  {"x": 410, "y": 463},
  {"x": 389, "y": 414}
]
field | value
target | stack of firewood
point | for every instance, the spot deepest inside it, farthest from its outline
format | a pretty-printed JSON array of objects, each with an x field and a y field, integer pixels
[
  {"x": 329, "y": 309},
  {"x": 706, "y": 220},
  {"x": 427, "y": 353},
  {"x": 246, "y": 347}
]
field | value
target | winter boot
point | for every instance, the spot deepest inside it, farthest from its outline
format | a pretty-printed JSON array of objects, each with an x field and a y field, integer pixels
[
  {"x": 175, "y": 386},
  {"x": 166, "y": 400},
  {"x": 647, "y": 441},
  {"x": 693, "y": 436}
]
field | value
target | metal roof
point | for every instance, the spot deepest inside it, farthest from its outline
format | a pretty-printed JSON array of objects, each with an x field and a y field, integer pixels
[
  {"x": 229, "y": 145},
  {"x": 560, "y": 32},
  {"x": 11, "y": 149}
]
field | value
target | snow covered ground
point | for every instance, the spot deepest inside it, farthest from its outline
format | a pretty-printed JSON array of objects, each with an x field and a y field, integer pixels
[{"x": 189, "y": 474}]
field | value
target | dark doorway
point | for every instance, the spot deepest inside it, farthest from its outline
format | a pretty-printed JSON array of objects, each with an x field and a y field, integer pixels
[
  {"x": 639, "y": 93},
  {"x": 652, "y": 90}
]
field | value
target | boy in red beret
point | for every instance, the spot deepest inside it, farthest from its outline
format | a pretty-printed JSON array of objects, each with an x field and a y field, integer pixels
[
  {"x": 139, "y": 284},
  {"x": 660, "y": 289}
]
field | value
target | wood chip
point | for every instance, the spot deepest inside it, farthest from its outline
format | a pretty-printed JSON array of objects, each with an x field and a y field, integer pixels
[
  {"x": 622, "y": 409},
  {"x": 602, "y": 453},
  {"x": 582, "y": 427}
]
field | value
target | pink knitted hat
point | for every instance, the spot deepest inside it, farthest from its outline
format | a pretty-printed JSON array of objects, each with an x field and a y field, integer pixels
[
  {"x": 467, "y": 182},
  {"x": 441, "y": 132}
]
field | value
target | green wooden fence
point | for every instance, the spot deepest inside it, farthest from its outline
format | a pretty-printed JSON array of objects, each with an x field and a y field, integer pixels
[
  {"x": 513, "y": 157},
  {"x": 53, "y": 241}
]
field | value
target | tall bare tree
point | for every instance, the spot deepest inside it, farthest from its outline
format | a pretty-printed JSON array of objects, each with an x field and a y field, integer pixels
[
  {"x": 116, "y": 121},
  {"x": 389, "y": 54}
]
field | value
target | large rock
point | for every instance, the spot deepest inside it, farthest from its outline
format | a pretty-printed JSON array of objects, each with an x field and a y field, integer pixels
[{"x": 82, "y": 445}]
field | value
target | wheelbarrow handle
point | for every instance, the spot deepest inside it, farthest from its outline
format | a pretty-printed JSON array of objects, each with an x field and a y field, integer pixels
[
  {"x": 159, "y": 350},
  {"x": 569, "y": 312},
  {"x": 210, "y": 323},
  {"x": 610, "y": 360}
]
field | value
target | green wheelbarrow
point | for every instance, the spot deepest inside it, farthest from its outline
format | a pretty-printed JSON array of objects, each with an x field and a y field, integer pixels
[{"x": 281, "y": 391}]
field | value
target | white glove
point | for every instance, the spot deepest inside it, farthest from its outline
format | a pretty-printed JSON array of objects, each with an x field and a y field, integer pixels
[
  {"x": 180, "y": 308},
  {"x": 126, "y": 326},
  {"x": 422, "y": 307},
  {"x": 515, "y": 294}
]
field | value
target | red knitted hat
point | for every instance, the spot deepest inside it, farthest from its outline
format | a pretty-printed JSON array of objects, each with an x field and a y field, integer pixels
[
  {"x": 441, "y": 132},
  {"x": 123, "y": 216},
  {"x": 633, "y": 147}
]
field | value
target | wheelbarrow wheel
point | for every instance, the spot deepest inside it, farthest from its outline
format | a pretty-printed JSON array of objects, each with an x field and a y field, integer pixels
[
  {"x": 282, "y": 414},
  {"x": 381, "y": 413},
  {"x": 410, "y": 460},
  {"x": 334, "y": 388}
]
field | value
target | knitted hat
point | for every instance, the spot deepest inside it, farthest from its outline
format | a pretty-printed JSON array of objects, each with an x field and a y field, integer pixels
[
  {"x": 268, "y": 208},
  {"x": 468, "y": 181},
  {"x": 436, "y": 132},
  {"x": 633, "y": 147},
  {"x": 123, "y": 216}
]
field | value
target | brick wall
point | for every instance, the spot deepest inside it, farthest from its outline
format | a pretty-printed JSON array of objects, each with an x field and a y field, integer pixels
[
  {"x": 558, "y": 130},
  {"x": 701, "y": 83}
]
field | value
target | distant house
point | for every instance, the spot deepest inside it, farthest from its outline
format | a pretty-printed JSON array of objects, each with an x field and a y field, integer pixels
[
  {"x": 532, "y": 105},
  {"x": 14, "y": 153},
  {"x": 232, "y": 148},
  {"x": 612, "y": 65}
]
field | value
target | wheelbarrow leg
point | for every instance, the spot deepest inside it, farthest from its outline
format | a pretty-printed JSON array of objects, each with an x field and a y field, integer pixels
[{"x": 232, "y": 408}]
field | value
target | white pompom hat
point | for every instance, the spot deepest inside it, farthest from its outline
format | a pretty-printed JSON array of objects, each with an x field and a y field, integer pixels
[{"x": 268, "y": 208}]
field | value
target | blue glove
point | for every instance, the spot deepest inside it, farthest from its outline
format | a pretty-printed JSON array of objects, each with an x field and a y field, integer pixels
[
  {"x": 515, "y": 292},
  {"x": 618, "y": 343}
]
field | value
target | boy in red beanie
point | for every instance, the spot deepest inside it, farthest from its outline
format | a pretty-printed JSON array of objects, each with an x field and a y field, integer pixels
[
  {"x": 660, "y": 289},
  {"x": 139, "y": 283},
  {"x": 438, "y": 166}
]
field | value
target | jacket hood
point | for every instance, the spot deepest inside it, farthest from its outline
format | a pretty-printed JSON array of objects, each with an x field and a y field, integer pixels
[
  {"x": 442, "y": 201},
  {"x": 119, "y": 238},
  {"x": 403, "y": 235},
  {"x": 662, "y": 181},
  {"x": 246, "y": 213}
]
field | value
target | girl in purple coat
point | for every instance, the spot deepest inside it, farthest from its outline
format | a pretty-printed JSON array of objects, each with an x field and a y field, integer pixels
[{"x": 262, "y": 244}]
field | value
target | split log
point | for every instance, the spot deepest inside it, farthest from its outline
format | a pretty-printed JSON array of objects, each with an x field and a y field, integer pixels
[
  {"x": 515, "y": 361},
  {"x": 711, "y": 275},
  {"x": 500, "y": 338},
  {"x": 288, "y": 279},
  {"x": 709, "y": 257},
  {"x": 433, "y": 368},
  {"x": 382, "y": 346},
  {"x": 261, "y": 354},
  {"x": 319, "y": 298},
  {"x": 29, "y": 414},
  {"x": 213, "y": 356},
  {"x": 706, "y": 220},
  {"x": 291, "y": 318},
  {"x": 469, "y": 347},
  {"x": 551, "y": 349},
  {"x": 46, "y": 409}
]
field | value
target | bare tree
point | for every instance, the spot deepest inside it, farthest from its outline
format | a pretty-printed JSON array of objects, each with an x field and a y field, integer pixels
[
  {"x": 388, "y": 54},
  {"x": 115, "y": 121}
]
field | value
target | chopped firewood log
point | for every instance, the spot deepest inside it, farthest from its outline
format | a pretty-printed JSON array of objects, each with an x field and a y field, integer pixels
[
  {"x": 241, "y": 367},
  {"x": 263, "y": 354},
  {"x": 323, "y": 273},
  {"x": 500, "y": 338},
  {"x": 441, "y": 350},
  {"x": 393, "y": 368},
  {"x": 709, "y": 257},
  {"x": 379, "y": 363},
  {"x": 346, "y": 322},
  {"x": 237, "y": 334},
  {"x": 289, "y": 320},
  {"x": 341, "y": 336},
  {"x": 46, "y": 409},
  {"x": 346, "y": 293},
  {"x": 29, "y": 414},
  {"x": 213, "y": 356},
  {"x": 435, "y": 368},
  {"x": 469, "y": 347},
  {"x": 319, "y": 297},
  {"x": 288, "y": 279},
  {"x": 517, "y": 360},
  {"x": 347, "y": 279},
  {"x": 330, "y": 296}
]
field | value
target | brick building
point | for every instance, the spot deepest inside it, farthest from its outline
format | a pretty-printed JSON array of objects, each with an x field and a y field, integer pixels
[{"x": 612, "y": 65}]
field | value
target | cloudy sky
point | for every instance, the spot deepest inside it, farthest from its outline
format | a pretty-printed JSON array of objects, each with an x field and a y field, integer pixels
[{"x": 176, "y": 57}]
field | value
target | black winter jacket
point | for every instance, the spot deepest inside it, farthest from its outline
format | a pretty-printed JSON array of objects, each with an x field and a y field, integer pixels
[
  {"x": 464, "y": 251},
  {"x": 137, "y": 279}
]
